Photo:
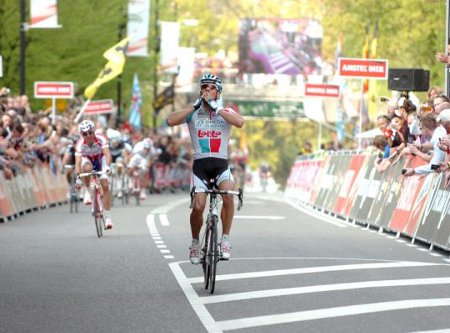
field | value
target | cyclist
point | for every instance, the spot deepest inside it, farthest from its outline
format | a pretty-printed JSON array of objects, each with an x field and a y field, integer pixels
[
  {"x": 92, "y": 154},
  {"x": 209, "y": 127},
  {"x": 140, "y": 160},
  {"x": 69, "y": 158},
  {"x": 120, "y": 156}
]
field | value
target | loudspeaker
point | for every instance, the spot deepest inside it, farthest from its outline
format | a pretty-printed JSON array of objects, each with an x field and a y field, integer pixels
[{"x": 410, "y": 79}]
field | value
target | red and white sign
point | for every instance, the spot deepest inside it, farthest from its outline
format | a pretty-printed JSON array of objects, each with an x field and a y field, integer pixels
[
  {"x": 99, "y": 107},
  {"x": 44, "y": 89},
  {"x": 321, "y": 90},
  {"x": 363, "y": 68}
]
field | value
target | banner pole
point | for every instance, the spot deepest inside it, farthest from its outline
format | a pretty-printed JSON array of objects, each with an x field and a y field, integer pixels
[{"x": 80, "y": 114}]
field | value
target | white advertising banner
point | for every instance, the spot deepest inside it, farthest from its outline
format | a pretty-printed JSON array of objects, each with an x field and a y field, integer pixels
[
  {"x": 137, "y": 27},
  {"x": 44, "y": 14},
  {"x": 170, "y": 35},
  {"x": 1, "y": 66},
  {"x": 186, "y": 63}
]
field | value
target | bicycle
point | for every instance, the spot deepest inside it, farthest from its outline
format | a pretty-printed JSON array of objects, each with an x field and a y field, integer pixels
[
  {"x": 97, "y": 200},
  {"x": 135, "y": 189},
  {"x": 210, "y": 248},
  {"x": 73, "y": 193}
]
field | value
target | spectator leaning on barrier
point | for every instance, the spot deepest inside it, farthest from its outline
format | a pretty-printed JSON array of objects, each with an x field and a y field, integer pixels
[
  {"x": 444, "y": 144},
  {"x": 429, "y": 128}
]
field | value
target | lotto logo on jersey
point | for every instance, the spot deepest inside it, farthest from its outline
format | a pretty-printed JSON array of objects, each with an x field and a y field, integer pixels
[
  {"x": 210, "y": 145},
  {"x": 209, "y": 134}
]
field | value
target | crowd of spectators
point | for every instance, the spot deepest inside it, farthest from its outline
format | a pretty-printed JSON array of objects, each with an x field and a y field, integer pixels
[
  {"x": 408, "y": 130},
  {"x": 34, "y": 139}
]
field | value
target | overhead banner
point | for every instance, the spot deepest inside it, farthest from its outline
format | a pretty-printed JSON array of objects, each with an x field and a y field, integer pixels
[
  {"x": 170, "y": 35},
  {"x": 280, "y": 46},
  {"x": 281, "y": 109},
  {"x": 43, "y": 14},
  {"x": 137, "y": 27}
]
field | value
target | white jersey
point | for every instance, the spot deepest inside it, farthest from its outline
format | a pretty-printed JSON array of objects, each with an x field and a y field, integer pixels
[
  {"x": 210, "y": 133},
  {"x": 93, "y": 152}
]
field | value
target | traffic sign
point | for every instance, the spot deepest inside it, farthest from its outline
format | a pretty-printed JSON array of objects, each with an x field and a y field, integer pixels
[
  {"x": 363, "y": 68},
  {"x": 99, "y": 107},
  {"x": 321, "y": 90},
  {"x": 45, "y": 89}
]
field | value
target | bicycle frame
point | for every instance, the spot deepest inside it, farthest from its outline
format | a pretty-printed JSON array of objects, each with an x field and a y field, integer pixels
[
  {"x": 210, "y": 250},
  {"x": 97, "y": 201}
]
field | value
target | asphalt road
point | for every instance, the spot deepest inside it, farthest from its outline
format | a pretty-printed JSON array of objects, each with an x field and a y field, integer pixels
[{"x": 291, "y": 271}]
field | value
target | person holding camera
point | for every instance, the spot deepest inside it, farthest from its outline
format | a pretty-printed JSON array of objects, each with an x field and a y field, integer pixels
[{"x": 430, "y": 129}]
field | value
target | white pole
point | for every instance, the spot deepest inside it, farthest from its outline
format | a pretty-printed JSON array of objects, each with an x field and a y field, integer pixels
[
  {"x": 53, "y": 111},
  {"x": 361, "y": 105},
  {"x": 320, "y": 136},
  {"x": 80, "y": 114}
]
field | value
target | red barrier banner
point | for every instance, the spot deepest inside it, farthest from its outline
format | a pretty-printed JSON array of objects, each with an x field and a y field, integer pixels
[
  {"x": 348, "y": 191},
  {"x": 407, "y": 213},
  {"x": 5, "y": 205}
]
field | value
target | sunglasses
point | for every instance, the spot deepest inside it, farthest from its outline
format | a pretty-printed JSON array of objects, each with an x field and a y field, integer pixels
[
  {"x": 210, "y": 86},
  {"x": 86, "y": 133}
]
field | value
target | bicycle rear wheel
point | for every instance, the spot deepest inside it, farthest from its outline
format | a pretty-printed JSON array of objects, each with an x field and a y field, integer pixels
[{"x": 214, "y": 250}]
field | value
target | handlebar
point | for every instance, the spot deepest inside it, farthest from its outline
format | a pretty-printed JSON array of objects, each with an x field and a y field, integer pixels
[
  {"x": 87, "y": 174},
  {"x": 239, "y": 194}
]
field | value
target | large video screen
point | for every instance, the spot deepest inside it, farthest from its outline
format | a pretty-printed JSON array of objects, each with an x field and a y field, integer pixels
[{"x": 280, "y": 46}]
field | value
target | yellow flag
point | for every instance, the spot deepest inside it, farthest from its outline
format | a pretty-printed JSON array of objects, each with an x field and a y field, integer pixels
[{"x": 116, "y": 57}]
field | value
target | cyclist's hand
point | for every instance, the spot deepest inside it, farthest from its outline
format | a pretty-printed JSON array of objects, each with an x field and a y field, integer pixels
[
  {"x": 213, "y": 104},
  {"x": 78, "y": 183},
  {"x": 108, "y": 171},
  {"x": 197, "y": 104}
]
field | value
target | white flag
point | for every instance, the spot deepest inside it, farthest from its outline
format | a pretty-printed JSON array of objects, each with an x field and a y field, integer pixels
[
  {"x": 44, "y": 14},
  {"x": 170, "y": 35},
  {"x": 137, "y": 27}
]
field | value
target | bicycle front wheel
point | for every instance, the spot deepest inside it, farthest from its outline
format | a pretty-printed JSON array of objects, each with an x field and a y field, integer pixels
[
  {"x": 99, "y": 226},
  {"x": 206, "y": 260},
  {"x": 214, "y": 250}
]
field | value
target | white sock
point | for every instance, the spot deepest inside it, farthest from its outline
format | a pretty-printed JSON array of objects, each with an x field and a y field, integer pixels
[
  {"x": 194, "y": 241},
  {"x": 225, "y": 237}
]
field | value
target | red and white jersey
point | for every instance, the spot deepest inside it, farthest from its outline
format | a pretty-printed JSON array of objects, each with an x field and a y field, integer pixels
[{"x": 93, "y": 152}]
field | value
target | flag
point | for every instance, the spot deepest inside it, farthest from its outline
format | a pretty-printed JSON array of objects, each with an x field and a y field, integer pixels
[
  {"x": 44, "y": 14},
  {"x": 166, "y": 97},
  {"x": 116, "y": 61},
  {"x": 373, "y": 83},
  {"x": 136, "y": 103},
  {"x": 340, "y": 107}
]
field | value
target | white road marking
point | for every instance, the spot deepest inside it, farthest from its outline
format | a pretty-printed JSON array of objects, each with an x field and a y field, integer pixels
[
  {"x": 322, "y": 288},
  {"x": 161, "y": 246},
  {"x": 164, "y": 251},
  {"x": 255, "y": 217},
  {"x": 169, "y": 257},
  {"x": 320, "y": 269},
  {"x": 196, "y": 303},
  {"x": 335, "y": 312},
  {"x": 316, "y": 216},
  {"x": 159, "y": 242},
  {"x": 163, "y": 220}
]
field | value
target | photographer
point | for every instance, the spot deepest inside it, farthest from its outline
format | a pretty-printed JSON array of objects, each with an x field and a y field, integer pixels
[{"x": 430, "y": 129}]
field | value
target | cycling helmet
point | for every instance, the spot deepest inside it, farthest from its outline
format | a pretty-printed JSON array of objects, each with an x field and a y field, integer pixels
[
  {"x": 86, "y": 126},
  {"x": 210, "y": 78},
  {"x": 148, "y": 143}
]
